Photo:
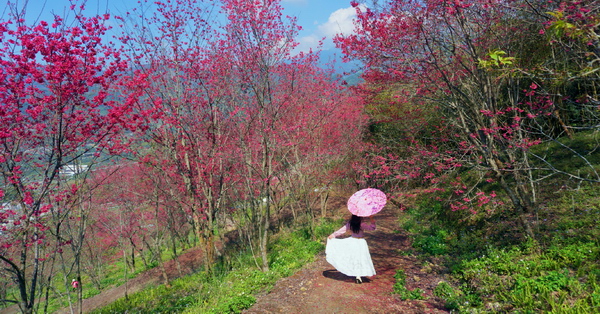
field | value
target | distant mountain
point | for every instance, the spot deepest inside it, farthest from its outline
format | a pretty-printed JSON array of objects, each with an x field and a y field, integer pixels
[{"x": 349, "y": 71}]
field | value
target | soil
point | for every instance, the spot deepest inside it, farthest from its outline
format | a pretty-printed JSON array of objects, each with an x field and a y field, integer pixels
[{"x": 318, "y": 287}]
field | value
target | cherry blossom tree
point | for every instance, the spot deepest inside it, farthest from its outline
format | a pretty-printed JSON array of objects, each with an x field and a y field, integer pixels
[
  {"x": 227, "y": 105},
  {"x": 190, "y": 123},
  {"x": 134, "y": 212},
  {"x": 59, "y": 116},
  {"x": 294, "y": 116},
  {"x": 481, "y": 66}
]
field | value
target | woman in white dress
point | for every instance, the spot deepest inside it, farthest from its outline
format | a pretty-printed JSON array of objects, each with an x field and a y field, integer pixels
[{"x": 351, "y": 255}]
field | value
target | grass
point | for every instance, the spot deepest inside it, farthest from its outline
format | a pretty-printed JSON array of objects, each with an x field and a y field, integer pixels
[
  {"x": 558, "y": 272},
  {"x": 113, "y": 276},
  {"x": 493, "y": 268},
  {"x": 402, "y": 291},
  {"x": 583, "y": 150},
  {"x": 232, "y": 288},
  {"x": 560, "y": 275}
]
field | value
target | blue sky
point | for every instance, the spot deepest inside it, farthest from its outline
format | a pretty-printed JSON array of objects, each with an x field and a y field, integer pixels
[{"x": 319, "y": 18}]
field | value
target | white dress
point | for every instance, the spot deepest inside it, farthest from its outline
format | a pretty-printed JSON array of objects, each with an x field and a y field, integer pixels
[{"x": 350, "y": 256}]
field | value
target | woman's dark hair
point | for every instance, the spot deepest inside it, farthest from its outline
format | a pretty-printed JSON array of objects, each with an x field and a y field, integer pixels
[{"x": 355, "y": 223}]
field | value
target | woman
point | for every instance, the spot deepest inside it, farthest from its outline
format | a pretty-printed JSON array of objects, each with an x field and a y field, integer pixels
[{"x": 351, "y": 255}]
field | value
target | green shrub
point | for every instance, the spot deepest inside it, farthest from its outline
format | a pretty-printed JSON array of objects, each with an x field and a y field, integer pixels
[
  {"x": 324, "y": 228},
  {"x": 498, "y": 269},
  {"x": 433, "y": 242},
  {"x": 532, "y": 279},
  {"x": 235, "y": 305},
  {"x": 160, "y": 299},
  {"x": 456, "y": 299},
  {"x": 292, "y": 250},
  {"x": 445, "y": 292},
  {"x": 551, "y": 281},
  {"x": 401, "y": 290},
  {"x": 89, "y": 292}
]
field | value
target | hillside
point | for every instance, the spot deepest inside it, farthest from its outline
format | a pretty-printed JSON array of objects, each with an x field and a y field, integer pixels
[{"x": 318, "y": 287}]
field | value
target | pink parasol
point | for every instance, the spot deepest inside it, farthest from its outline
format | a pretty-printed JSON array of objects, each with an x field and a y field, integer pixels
[{"x": 366, "y": 202}]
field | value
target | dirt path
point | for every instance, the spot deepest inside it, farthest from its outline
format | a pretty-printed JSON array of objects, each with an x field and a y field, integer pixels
[{"x": 319, "y": 288}]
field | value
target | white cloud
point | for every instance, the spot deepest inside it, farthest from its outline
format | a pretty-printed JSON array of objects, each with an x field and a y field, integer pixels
[
  {"x": 305, "y": 43},
  {"x": 339, "y": 22}
]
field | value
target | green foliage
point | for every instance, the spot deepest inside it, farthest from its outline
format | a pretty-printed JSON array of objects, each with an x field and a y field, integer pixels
[
  {"x": 445, "y": 291},
  {"x": 573, "y": 218},
  {"x": 496, "y": 59},
  {"x": 324, "y": 228},
  {"x": 235, "y": 292},
  {"x": 401, "y": 289},
  {"x": 551, "y": 281},
  {"x": 456, "y": 299},
  {"x": 559, "y": 26},
  {"x": 230, "y": 293},
  {"x": 532, "y": 279},
  {"x": 235, "y": 304},
  {"x": 89, "y": 291},
  {"x": 434, "y": 241},
  {"x": 160, "y": 299},
  {"x": 574, "y": 255},
  {"x": 427, "y": 238},
  {"x": 293, "y": 250},
  {"x": 551, "y": 291}
]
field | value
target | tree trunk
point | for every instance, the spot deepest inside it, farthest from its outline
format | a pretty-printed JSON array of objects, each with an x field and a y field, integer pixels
[
  {"x": 324, "y": 199},
  {"x": 519, "y": 208},
  {"x": 264, "y": 240}
]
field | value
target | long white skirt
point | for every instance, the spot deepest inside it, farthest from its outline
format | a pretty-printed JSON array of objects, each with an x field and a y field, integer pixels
[{"x": 350, "y": 256}]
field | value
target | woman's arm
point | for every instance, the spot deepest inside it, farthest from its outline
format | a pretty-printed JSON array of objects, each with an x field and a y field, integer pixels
[{"x": 338, "y": 233}]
